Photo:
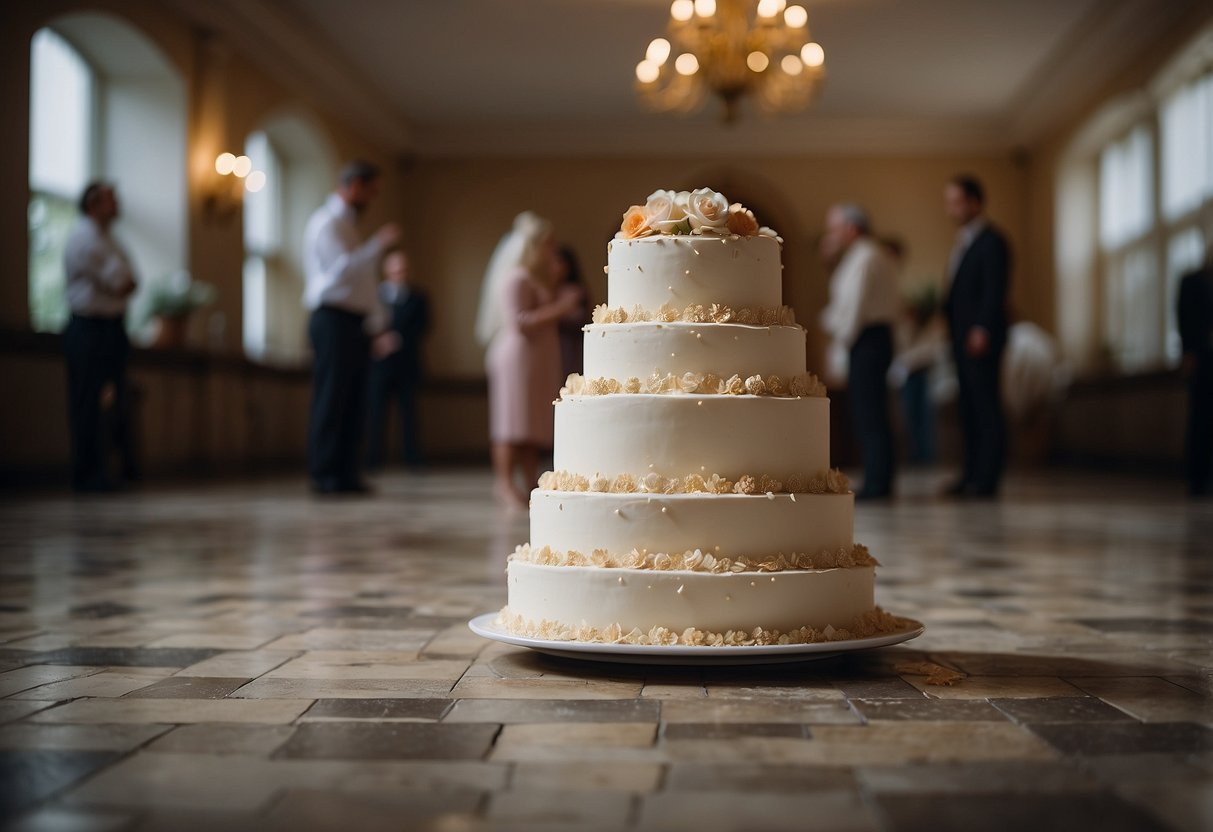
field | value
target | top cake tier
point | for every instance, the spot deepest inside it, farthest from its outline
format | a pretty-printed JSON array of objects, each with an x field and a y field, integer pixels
[{"x": 741, "y": 272}]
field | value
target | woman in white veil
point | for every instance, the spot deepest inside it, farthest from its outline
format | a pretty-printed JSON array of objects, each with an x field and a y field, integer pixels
[
  {"x": 502, "y": 265},
  {"x": 520, "y": 306}
]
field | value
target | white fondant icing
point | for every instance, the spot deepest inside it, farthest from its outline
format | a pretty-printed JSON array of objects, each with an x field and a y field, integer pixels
[
  {"x": 678, "y": 600},
  {"x": 678, "y": 435},
  {"x": 623, "y": 351},
  {"x": 680, "y": 271},
  {"x": 726, "y": 524}
]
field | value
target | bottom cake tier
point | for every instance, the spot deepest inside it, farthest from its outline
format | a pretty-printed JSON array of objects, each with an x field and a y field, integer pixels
[{"x": 682, "y": 606}]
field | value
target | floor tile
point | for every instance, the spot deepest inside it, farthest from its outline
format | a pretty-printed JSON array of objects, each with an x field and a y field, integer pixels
[
  {"x": 120, "y": 737},
  {"x": 105, "y": 683},
  {"x": 188, "y": 687},
  {"x": 224, "y": 738},
  {"x": 841, "y": 811},
  {"x": 1151, "y": 699},
  {"x": 544, "y": 808},
  {"x": 1060, "y": 709},
  {"x": 31, "y": 775},
  {"x": 388, "y": 741},
  {"x": 379, "y": 710},
  {"x": 585, "y": 776},
  {"x": 507, "y": 711},
  {"x": 749, "y": 778},
  {"x": 272, "y": 711},
  {"x": 1014, "y": 813},
  {"x": 927, "y": 710},
  {"x": 1086, "y": 738}
]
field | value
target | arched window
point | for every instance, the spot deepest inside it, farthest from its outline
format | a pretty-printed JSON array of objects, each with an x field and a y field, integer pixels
[
  {"x": 60, "y": 164},
  {"x": 105, "y": 103},
  {"x": 298, "y": 161}
]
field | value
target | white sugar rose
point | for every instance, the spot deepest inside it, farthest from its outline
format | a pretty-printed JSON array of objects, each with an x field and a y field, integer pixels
[
  {"x": 666, "y": 215},
  {"x": 708, "y": 212}
]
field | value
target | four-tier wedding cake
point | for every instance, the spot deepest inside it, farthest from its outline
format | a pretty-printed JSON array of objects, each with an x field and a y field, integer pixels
[{"x": 692, "y": 501}]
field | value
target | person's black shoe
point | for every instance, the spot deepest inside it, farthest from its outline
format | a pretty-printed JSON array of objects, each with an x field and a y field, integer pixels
[
  {"x": 960, "y": 488},
  {"x": 356, "y": 488},
  {"x": 324, "y": 486},
  {"x": 96, "y": 485}
]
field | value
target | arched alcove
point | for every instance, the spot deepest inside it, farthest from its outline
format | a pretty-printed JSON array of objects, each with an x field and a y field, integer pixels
[
  {"x": 298, "y": 158},
  {"x": 126, "y": 122}
]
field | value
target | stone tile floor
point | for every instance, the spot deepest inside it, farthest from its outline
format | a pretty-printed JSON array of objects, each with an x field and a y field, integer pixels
[{"x": 246, "y": 657}]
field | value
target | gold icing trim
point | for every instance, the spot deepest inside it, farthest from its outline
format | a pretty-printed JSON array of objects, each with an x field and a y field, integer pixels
[
  {"x": 872, "y": 623},
  {"x": 831, "y": 481},
  {"x": 798, "y": 386},
  {"x": 697, "y": 313},
  {"x": 696, "y": 560}
]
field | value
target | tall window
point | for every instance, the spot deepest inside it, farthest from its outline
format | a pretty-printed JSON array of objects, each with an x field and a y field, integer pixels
[
  {"x": 262, "y": 244},
  {"x": 62, "y": 129},
  {"x": 297, "y": 160},
  {"x": 1133, "y": 318},
  {"x": 1187, "y": 187},
  {"x": 120, "y": 116}
]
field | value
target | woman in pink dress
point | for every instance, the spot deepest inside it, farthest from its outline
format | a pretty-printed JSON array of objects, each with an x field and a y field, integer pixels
[{"x": 524, "y": 306}]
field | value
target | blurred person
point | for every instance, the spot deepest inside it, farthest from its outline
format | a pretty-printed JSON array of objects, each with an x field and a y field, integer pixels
[
  {"x": 920, "y": 347},
  {"x": 341, "y": 284},
  {"x": 859, "y": 319},
  {"x": 100, "y": 282},
  {"x": 396, "y": 363},
  {"x": 1195, "y": 310},
  {"x": 976, "y": 310},
  {"x": 572, "y": 339},
  {"x": 521, "y": 305}
]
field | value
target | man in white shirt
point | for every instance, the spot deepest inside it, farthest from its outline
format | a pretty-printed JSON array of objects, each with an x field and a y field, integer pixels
[
  {"x": 862, "y": 309},
  {"x": 100, "y": 282},
  {"x": 342, "y": 276}
]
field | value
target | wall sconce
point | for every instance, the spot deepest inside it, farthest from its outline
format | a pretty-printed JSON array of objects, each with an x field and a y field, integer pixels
[{"x": 234, "y": 176}]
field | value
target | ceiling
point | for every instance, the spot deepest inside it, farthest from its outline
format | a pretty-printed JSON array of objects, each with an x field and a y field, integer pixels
[{"x": 505, "y": 76}]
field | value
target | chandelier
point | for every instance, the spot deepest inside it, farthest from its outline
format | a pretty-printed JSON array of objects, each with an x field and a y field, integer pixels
[{"x": 715, "y": 45}]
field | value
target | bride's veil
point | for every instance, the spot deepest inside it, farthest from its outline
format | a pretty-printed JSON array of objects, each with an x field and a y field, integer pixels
[{"x": 504, "y": 262}]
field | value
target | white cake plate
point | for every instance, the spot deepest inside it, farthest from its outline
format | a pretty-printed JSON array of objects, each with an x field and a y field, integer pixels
[{"x": 483, "y": 625}]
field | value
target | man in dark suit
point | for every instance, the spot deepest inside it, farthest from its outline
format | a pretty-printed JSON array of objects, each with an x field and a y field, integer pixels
[
  {"x": 976, "y": 310},
  {"x": 1195, "y": 309},
  {"x": 396, "y": 370}
]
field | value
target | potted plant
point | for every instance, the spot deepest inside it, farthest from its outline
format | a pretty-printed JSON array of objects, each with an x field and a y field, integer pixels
[{"x": 170, "y": 304}]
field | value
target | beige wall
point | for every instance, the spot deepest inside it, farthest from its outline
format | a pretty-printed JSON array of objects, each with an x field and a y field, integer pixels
[{"x": 458, "y": 209}]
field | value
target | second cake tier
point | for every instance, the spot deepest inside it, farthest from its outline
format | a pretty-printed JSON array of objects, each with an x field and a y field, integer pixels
[
  {"x": 753, "y": 526},
  {"x": 675, "y": 435},
  {"x": 623, "y": 351}
]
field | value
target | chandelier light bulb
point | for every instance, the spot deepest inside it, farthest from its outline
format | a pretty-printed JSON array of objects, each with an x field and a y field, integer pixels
[
  {"x": 705, "y": 8},
  {"x": 658, "y": 51},
  {"x": 770, "y": 8},
  {"x": 757, "y": 61},
  {"x": 224, "y": 163},
  {"x": 242, "y": 166},
  {"x": 687, "y": 64},
  {"x": 682, "y": 10},
  {"x": 647, "y": 71},
  {"x": 813, "y": 55},
  {"x": 791, "y": 65},
  {"x": 796, "y": 17},
  {"x": 255, "y": 181}
]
